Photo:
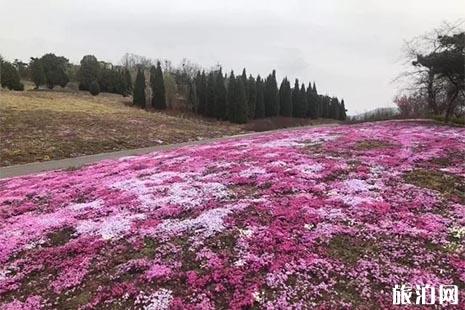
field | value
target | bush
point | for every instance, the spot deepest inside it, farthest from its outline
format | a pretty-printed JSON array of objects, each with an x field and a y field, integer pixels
[
  {"x": 94, "y": 88},
  {"x": 10, "y": 77}
]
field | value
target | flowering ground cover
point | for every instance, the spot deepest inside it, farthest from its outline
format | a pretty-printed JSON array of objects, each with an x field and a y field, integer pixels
[{"x": 329, "y": 217}]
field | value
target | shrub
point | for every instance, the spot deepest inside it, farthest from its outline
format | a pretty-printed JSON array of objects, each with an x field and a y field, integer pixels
[
  {"x": 94, "y": 88},
  {"x": 10, "y": 77}
]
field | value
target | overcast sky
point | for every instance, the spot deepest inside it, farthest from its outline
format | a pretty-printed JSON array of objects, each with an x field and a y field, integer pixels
[{"x": 350, "y": 48}]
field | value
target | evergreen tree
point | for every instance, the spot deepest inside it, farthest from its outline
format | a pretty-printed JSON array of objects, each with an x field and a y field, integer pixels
[
  {"x": 202, "y": 93},
  {"x": 296, "y": 108},
  {"x": 325, "y": 101},
  {"x": 138, "y": 97},
  {"x": 210, "y": 109},
  {"x": 158, "y": 87},
  {"x": 260, "y": 102},
  {"x": 9, "y": 76},
  {"x": 127, "y": 81},
  {"x": 334, "y": 108},
  {"x": 311, "y": 102},
  {"x": 55, "y": 70},
  {"x": 241, "y": 108},
  {"x": 193, "y": 98},
  {"x": 303, "y": 101},
  {"x": 231, "y": 95},
  {"x": 244, "y": 81},
  {"x": 252, "y": 96},
  {"x": 88, "y": 72},
  {"x": 285, "y": 98},
  {"x": 271, "y": 95},
  {"x": 221, "y": 96},
  {"x": 37, "y": 72},
  {"x": 342, "y": 111}
]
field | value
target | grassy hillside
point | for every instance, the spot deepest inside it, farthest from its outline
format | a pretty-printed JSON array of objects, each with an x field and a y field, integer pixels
[{"x": 44, "y": 125}]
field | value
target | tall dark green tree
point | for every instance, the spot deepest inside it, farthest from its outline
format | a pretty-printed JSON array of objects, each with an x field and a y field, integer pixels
[
  {"x": 285, "y": 98},
  {"x": 296, "y": 104},
  {"x": 9, "y": 76},
  {"x": 303, "y": 101},
  {"x": 342, "y": 111},
  {"x": 55, "y": 70},
  {"x": 221, "y": 96},
  {"x": 127, "y": 81},
  {"x": 37, "y": 72},
  {"x": 260, "y": 102},
  {"x": 317, "y": 101},
  {"x": 158, "y": 87},
  {"x": 232, "y": 95},
  {"x": 334, "y": 108},
  {"x": 88, "y": 72},
  {"x": 210, "y": 108},
  {"x": 311, "y": 102},
  {"x": 241, "y": 109},
  {"x": 138, "y": 96},
  {"x": 252, "y": 96},
  {"x": 271, "y": 95},
  {"x": 202, "y": 93}
]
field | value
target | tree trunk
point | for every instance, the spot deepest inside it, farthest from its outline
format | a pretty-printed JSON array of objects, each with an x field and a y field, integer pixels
[{"x": 451, "y": 105}]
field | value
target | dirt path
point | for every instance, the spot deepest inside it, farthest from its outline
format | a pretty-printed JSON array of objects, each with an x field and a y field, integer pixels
[{"x": 76, "y": 162}]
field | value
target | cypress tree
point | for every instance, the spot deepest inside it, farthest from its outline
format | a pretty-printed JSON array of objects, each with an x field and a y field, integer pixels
[
  {"x": 193, "y": 98},
  {"x": 158, "y": 87},
  {"x": 260, "y": 102},
  {"x": 221, "y": 96},
  {"x": 241, "y": 109},
  {"x": 37, "y": 72},
  {"x": 296, "y": 99},
  {"x": 271, "y": 95},
  {"x": 285, "y": 98},
  {"x": 210, "y": 109},
  {"x": 311, "y": 102},
  {"x": 127, "y": 81},
  {"x": 303, "y": 101},
  {"x": 138, "y": 97},
  {"x": 232, "y": 95},
  {"x": 252, "y": 96},
  {"x": 342, "y": 111},
  {"x": 202, "y": 93}
]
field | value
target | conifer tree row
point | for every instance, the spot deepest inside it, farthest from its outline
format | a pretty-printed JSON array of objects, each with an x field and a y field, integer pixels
[{"x": 241, "y": 98}]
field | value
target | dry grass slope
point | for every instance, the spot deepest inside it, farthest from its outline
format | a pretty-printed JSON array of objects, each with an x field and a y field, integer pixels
[{"x": 43, "y": 125}]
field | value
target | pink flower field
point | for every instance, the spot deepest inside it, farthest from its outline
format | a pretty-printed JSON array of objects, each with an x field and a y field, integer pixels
[{"x": 329, "y": 217}]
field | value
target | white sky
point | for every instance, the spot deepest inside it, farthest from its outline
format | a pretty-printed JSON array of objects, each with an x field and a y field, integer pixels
[{"x": 350, "y": 48}]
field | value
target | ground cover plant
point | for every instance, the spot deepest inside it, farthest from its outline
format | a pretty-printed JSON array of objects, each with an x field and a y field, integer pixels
[
  {"x": 39, "y": 125},
  {"x": 329, "y": 217}
]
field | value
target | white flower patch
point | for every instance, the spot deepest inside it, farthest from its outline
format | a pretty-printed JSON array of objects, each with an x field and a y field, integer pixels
[
  {"x": 278, "y": 163},
  {"x": 205, "y": 225},
  {"x": 252, "y": 171},
  {"x": 160, "y": 300},
  {"x": 152, "y": 194},
  {"x": 110, "y": 227},
  {"x": 286, "y": 142},
  {"x": 310, "y": 170},
  {"x": 246, "y": 232},
  {"x": 357, "y": 185},
  {"x": 96, "y": 204},
  {"x": 191, "y": 195}
]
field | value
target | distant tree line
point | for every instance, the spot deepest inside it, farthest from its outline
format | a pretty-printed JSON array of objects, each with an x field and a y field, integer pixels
[{"x": 213, "y": 94}]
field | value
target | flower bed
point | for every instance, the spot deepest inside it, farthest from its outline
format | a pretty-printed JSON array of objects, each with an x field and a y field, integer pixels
[{"x": 330, "y": 217}]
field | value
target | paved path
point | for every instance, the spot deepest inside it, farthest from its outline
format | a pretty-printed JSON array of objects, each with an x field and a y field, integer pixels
[{"x": 36, "y": 167}]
